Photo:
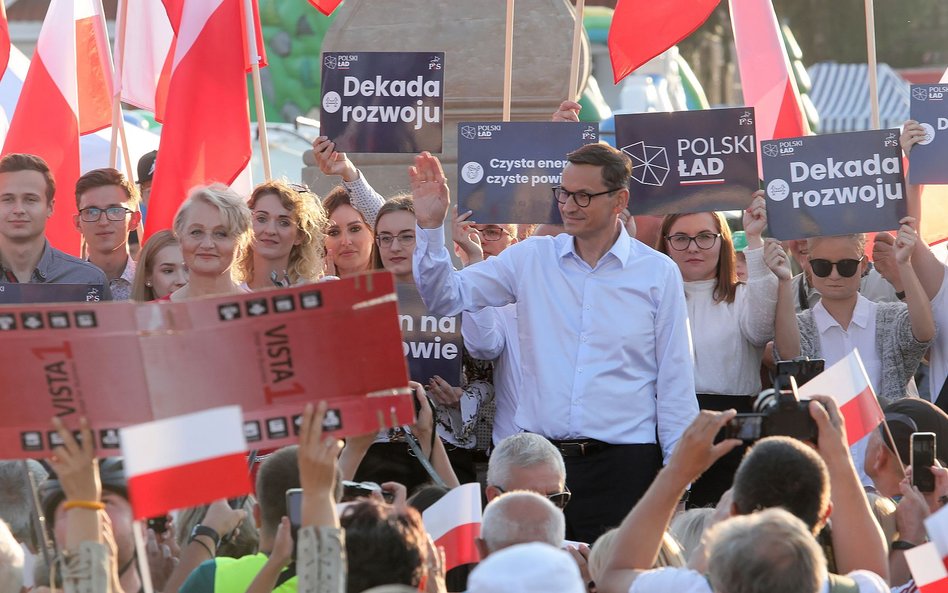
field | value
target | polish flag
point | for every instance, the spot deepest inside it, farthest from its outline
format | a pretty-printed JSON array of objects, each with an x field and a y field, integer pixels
[
  {"x": 642, "y": 29},
  {"x": 67, "y": 92},
  {"x": 847, "y": 383},
  {"x": 767, "y": 82},
  {"x": 4, "y": 39},
  {"x": 185, "y": 461},
  {"x": 325, "y": 6},
  {"x": 927, "y": 568},
  {"x": 206, "y": 134},
  {"x": 454, "y": 522},
  {"x": 937, "y": 527},
  {"x": 142, "y": 47}
]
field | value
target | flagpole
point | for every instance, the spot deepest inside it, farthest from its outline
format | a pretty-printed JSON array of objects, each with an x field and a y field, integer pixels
[
  {"x": 118, "y": 118},
  {"x": 508, "y": 58},
  {"x": 873, "y": 79},
  {"x": 257, "y": 88},
  {"x": 142, "y": 555},
  {"x": 573, "y": 91}
]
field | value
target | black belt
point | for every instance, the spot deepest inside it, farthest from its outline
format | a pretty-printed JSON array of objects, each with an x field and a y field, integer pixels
[{"x": 580, "y": 447}]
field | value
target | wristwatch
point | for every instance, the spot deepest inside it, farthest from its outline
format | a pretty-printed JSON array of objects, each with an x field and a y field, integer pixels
[
  {"x": 205, "y": 531},
  {"x": 902, "y": 545}
]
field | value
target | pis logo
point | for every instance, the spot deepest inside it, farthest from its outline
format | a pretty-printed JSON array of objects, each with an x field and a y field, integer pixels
[{"x": 435, "y": 63}]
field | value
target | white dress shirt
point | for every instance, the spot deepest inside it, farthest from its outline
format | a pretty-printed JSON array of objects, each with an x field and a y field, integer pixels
[
  {"x": 491, "y": 334},
  {"x": 938, "y": 355},
  {"x": 605, "y": 351}
]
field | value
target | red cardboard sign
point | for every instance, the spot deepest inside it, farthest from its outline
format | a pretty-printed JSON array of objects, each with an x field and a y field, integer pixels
[{"x": 269, "y": 352}]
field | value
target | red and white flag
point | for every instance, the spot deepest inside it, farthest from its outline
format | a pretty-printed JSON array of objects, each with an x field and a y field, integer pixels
[
  {"x": 937, "y": 527},
  {"x": 4, "y": 39},
  {"x": 142, "y": 49},
  {"x": 767, "y": 82},
  {"x": 325, "y": 6},
  {"x": 454, "y": 522},
  {"x": 67, "y": 92},
  {"x": 206, "y": 133},
  {"x": 185, "y": 461},
  {"x": 927, "y": 569},
  {"x": 847, "y": 383},
  {"x": 642, "y": 29}
]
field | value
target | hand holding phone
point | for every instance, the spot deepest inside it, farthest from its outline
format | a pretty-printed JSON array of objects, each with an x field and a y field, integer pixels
[{"x": 923, "y": 458}]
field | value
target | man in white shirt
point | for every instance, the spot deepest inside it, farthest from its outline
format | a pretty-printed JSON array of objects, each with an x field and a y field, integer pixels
[
  {"x": 777, "y": 472},
  {"x": 603, "y": 331}
]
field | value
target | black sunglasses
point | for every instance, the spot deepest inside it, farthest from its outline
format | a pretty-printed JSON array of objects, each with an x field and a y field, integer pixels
[
  {"x": 846, "y": 267},
  {"x": 559, "y": 499}
]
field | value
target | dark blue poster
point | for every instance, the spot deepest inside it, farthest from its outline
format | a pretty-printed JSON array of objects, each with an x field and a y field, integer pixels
[
  {"x": 432, "y": 343},
  {"x": 16, "y": 294},
  {"x": 690, "y": 161},
  {"x": 836, "y": 184},
  {"x": 507, "y": 170},
  {"x": 927, "y": 159},
  {"x": 383, "y": 101}
]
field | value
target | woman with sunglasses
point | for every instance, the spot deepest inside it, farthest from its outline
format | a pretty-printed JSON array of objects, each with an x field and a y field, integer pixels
[
  {"x": 891, "y": 337},
  {"x": 287, "y": 247},
  {"x": 731, "y": 321}
]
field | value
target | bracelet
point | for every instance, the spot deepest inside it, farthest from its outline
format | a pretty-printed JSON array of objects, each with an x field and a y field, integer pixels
[
  {"x": 90, "y": 505},
  {"x": 902, "y": 545},
  {"x": 206, "y": 547}
]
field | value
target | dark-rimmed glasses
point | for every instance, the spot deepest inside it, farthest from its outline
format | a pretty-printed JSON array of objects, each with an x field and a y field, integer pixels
[
  {"x": 113, "y": 213},
  {"x": 846, "y": 267},
  {"x": 702, "y": 241},
  {"x": 494, "y": 233},
  {"x": 581, "y": 198},
  {"x": 559, "y": 499}
]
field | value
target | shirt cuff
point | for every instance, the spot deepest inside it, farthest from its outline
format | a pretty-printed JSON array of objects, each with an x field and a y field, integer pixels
[
  {"x": 756, "y": 267},
  {"x": 430, "y": 239}
]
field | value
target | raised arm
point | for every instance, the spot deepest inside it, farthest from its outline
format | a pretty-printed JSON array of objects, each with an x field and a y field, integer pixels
[
  {"x": 919, "y": 307},
  {"x": 760, "y": 302},
  {"x": 364, "y": 197},
  {"x": 787, "y": 332}
]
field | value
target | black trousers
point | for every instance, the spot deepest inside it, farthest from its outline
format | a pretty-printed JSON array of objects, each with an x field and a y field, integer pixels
[
  {"x": 605, "y": 486},
  {"x": 708, "y": 489}
]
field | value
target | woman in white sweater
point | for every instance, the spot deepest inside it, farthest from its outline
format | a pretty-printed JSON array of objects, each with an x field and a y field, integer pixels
[{"x": 730, "y": 321}]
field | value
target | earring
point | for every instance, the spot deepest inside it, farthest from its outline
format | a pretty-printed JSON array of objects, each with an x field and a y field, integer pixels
[{"x": 148, "y": 284}]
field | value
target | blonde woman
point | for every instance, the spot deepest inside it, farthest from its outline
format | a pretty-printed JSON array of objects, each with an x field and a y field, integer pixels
[{"x": 288, "y": 237}]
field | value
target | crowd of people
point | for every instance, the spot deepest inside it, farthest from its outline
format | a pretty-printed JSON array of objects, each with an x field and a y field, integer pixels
[{"x": 602, "y": 360}]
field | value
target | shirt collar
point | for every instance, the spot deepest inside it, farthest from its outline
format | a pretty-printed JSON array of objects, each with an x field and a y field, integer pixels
[
  {"x": 129, "y": 274},
  {"x": 44, "y": 267},
  {"x": 620, "y": 249},
  {"x": 861, "y": 313}
]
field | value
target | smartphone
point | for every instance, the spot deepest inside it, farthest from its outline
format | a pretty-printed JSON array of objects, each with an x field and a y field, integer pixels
[
  {"x": 923, "y": 458},
  {"x": 353, "y": 490},
  {"x": 158, "y": 524},
  {"x": 294, "y": 500},
  {"x": 745, "y": 427}
]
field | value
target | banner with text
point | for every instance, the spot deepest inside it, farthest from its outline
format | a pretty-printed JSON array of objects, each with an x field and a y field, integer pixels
[
  {"x": 383, "y": 101},
  {"x": 507, "y": 170},
  {"x": 835, "y": 184},
  {"x": 431, "y": 343},
  {"x": 269, "y": 352},
  {"x": 33, "y": 292},
  {"x": 690, "y": 161},
  {"x": 928, "y": 157}
]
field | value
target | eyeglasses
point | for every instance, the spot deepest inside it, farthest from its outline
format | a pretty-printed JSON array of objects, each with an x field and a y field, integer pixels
[
  {"x": 114, "y": 213},
  {"x": 846, "y": 267},
  {"x": 683, "y": 242},
  {"x": 405, "y": 239},
  {"x": 493, "y": 233},
  {"x": 559, "y": 499},
  {"x": 581, "y": 198}
]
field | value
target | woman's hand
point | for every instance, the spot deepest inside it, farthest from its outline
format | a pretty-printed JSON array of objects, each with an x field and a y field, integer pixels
[
  {"x": 912, "y": 134},
  {"x": 755, "y": 220},
  {"x": 331, "y": 162},
  {"x": 75, "y": 464},
  {"x": 777, "y": 260},
  {"x": 467, "y": 238},
  {"x": 905, "y": 241},
  {"x": 444, "y": 393}
]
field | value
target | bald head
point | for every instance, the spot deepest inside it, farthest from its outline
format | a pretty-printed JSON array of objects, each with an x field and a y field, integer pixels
[{"x": 520, "y": 518}]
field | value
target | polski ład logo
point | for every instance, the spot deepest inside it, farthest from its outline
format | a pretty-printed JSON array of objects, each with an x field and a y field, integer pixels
[
  {"x": 649, "y": 163},
  {"x": 469, "y": 132},
  {"x": 770, "y": 150},
  {"x": 330, "y": 62},
  {"x": 920, "y": 94}
]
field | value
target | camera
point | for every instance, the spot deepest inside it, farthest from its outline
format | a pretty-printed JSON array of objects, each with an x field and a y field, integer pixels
[{"x": 779, "y": 411}]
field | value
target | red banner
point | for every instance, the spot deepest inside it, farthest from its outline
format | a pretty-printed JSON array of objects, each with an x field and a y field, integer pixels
[{"x": 269, "y": 352}]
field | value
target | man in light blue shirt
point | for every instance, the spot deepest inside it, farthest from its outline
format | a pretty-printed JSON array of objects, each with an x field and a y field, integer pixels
[{"x": 604, "y": 344}]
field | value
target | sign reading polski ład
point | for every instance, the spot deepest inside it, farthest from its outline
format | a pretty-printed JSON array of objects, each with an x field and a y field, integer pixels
[
  {"x": 836, "y": 184},
  {"x": 507, "y": 170},
  {"x": 383, "y": 101},
  {"x": 928, "y": 157},
  {"x": 690, "y": 161}
]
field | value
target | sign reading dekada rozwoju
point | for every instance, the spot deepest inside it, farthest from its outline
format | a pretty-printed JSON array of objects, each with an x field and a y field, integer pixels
[
  {"x": 507, "y": 170},
  {"x": 929, "y": 107},
  {"x": 835, "y": 184},
  {"x": 690, "y": 161},
  {"x": 383, "y": 101}
]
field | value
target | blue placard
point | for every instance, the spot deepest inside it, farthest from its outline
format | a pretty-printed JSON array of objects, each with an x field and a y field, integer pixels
[
  {"x": 690, "y": 161},
  {"x": 928, "y": 157},
  {"x": 12, "y": 293},
  {"x": 507, "y": 170},
  {"x": 835, "y": 184},
  {"x": 431, "y": 343},
  {"x": 383, "y": 101}
]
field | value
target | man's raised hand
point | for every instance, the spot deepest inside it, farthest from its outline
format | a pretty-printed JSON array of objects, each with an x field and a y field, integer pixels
[{"x": 429, "y": 189}]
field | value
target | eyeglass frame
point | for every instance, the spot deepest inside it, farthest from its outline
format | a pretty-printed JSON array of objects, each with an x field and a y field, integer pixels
[
  {"x": 105, "y": 211},
  {"x": 564, "y": 494},
  {"x": 715, "y": 237},
  {"x": 835, "y": 264},
  {"x": 574, "y": 194},
  {"x": 380, "y": 239},
  {"x": 499, "y": 229}
]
